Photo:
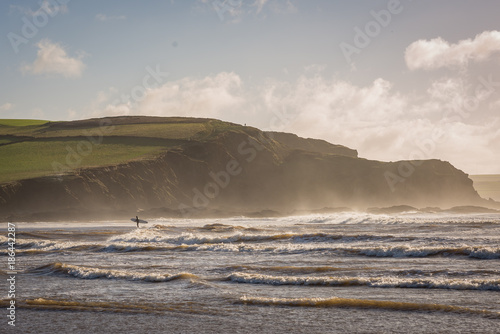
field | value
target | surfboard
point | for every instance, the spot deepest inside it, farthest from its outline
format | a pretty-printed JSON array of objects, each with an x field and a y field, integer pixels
[{"x": 140, "y": 221}]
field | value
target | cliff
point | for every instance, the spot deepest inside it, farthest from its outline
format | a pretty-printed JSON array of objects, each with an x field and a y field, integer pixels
[{"x": 232, "y": 169}]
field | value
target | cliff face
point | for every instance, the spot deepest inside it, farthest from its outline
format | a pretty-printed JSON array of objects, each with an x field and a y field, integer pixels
[
  {"x": 239, "y": 171},
  {"x": 295, "y": 142}
]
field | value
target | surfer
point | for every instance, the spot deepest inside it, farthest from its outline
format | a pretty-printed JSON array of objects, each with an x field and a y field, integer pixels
[{"x": 138, "y": 221}]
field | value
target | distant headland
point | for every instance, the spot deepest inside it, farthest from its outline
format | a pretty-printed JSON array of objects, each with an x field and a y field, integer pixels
[{"x": 107, "y": 168}]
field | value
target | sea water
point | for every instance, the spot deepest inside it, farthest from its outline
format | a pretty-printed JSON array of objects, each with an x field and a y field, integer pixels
[{"x": 338, "y": 273}]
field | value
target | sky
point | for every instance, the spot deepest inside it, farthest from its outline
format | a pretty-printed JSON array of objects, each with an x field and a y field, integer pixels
[{"x": 396, "y": 80}]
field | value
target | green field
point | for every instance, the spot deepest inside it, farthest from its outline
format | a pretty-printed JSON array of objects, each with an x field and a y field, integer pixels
[
  {"x": 32, "y": 148},
  {"x": 39, "y": 158},
  {"x": 21, "y": 122}
]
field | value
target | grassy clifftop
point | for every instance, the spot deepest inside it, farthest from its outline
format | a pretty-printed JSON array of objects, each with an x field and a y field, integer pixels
[{"x": 34, "y": 148}]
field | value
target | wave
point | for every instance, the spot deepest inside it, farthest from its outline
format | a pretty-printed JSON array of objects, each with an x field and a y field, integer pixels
[
  {"x": 363, "y": 303},
  {"x": 152, "y": 236},
  {"x": 304, "y": 270},
  {"x": 413, "y": 218},
  {"x": 27, "y": 243},
  {"x": 485, "y": 253},
  {"x": 378, "y": 282},
  {"x": 107, "y": 306},
  {"x": 294, "y": 269},
  {"x": 95, "y": 273},
  {"x": 30, "y": 246},
  {"x": 373, "y": 251},
  {"x": 250, "y": 235},
  {"x": 482, "y": 252},
  {"x": 353, "y": 245}
]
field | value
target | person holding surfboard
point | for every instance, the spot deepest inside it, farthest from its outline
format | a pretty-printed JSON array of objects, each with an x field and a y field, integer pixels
[{"x": 138, "y": 221}]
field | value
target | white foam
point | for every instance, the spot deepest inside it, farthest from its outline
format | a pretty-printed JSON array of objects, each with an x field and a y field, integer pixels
[
  {"x": 380, "y": 282},
  {"x": 275, "y": 243},
  {"x": 365, "y": 303},
  {"x": 94, "y": 273}
]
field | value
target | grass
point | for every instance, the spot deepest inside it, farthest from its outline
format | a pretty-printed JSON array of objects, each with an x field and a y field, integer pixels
[
  {"x": 30, "y": 159},
  {"x": 26, "y": 130},
  {"x": 153, "y": 130},
  {"x": 165, "y": 131},
  {"x": 22, "y": 122},
  {"x": 31, "y": 148}
]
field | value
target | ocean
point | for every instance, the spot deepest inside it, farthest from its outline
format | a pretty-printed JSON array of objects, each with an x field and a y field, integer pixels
[{"x": 335, "y": 273}]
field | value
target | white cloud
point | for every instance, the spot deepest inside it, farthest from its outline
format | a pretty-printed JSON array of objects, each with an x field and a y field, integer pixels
[
  {"x": 219, "y": 96},
  {"x": 377, "y": 120},
  {"x": 437, "y": 53},
  {"x": 53, "y": 59},
  {"x": 104, "y": 17},
  {"x": 383, "y": 124},
  {"x": 216, "y": 96},
  {"x": 104, "y": 105},
  {"x": 6, "y": 106},
  {"x": 338, "y": 111}
]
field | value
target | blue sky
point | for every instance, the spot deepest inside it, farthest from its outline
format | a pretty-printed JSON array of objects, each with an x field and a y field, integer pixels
[{"x": 393, "y": 79}]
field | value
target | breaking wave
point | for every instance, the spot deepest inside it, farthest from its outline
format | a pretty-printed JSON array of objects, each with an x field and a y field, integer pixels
[
  {"x": 378, "y": 282},
  {"x": 362, "y": 303},
  {"x": 150, "y": 236},
  {"x": 385, "y": 281},
  {"x": 251, "y": 244},
  {"x": 95, "y": 273},
  {"x": 286, "y": 242},
  {"x": 375, "y": 251}
]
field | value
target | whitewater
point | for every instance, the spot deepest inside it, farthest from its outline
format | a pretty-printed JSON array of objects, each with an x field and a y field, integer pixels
[{"x": 334, "y": 273}]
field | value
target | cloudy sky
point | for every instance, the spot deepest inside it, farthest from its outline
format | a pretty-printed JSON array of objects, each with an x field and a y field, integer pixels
[{"x": 393, "y": 79}]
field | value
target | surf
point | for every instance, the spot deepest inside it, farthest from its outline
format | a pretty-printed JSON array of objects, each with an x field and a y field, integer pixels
[
  {"x": 492, "y": 284},
  {"x": 364, "y": 304},
  {"x": 84, "y": 272}
]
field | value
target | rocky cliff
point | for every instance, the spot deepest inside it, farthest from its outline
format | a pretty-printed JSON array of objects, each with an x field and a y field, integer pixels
[{"x": 237, "y": 171}]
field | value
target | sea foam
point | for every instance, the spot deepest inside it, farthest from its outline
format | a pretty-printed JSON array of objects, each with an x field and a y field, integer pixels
[
  {"x": 84, "y": 272},
  {"x": 378, "y": 282}
]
